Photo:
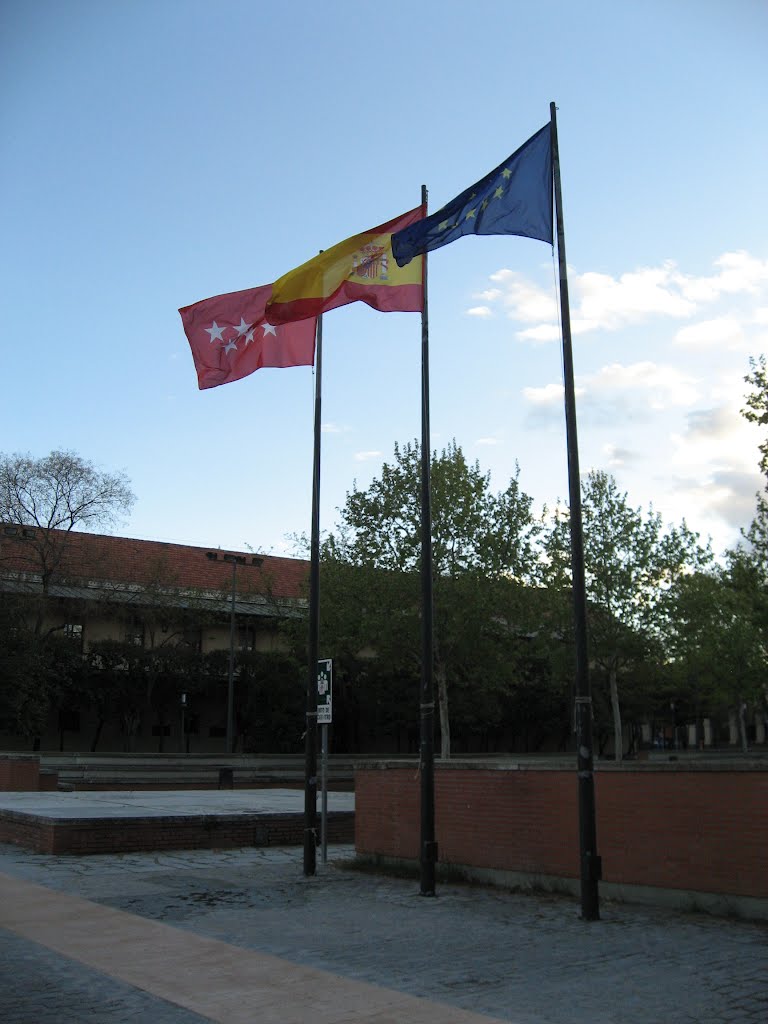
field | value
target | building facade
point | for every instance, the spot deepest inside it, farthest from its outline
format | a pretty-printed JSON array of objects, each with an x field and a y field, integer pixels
[{"x": 165, "y": 615}]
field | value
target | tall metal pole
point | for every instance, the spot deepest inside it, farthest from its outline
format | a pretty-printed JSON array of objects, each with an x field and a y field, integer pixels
[
  {"x": 231, "y": 680},
  {"x": 428, "y": 844},
  {"x": 310, "y": 734},
  {"x": 590, "y": 864},
  {"x": 324, "y": 789}
]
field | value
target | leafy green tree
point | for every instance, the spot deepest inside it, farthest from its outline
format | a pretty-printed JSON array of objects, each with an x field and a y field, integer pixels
[
  {"x": 170, "y": 671},
  {"x": 714, "y": 635},
  {"x": 756, "y": 410},
  {"x": 369, "y": 626},
  {"x": 39, "y": 674},
  {"x": 483, "y": 543},
  {"x": 115, "y": 687},
  {"x": 748, "y": 562},
  {"x": 630, "y": 561},
  {"x": 24, "y": 697},
  {"x": 271, "y": 704},
  {"x": 66, "y": 679}
]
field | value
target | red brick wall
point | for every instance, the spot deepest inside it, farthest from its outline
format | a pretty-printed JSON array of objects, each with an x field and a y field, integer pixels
[
  {"x": 19, "y": 773},
  {"x": 104, "y": 835},
  {"x": 669, "y": 826}
]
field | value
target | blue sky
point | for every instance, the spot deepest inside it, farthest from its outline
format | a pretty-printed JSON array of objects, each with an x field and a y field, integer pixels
[{"x": 157, "y": 152}]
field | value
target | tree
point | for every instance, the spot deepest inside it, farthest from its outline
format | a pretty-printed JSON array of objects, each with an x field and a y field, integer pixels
[
  {"x": 24, "y": 698},
  {"x": 483, "y": 543},
  {"x": 756, "y": 410},
  {"x": 714, "y": 635},
  {"x": 630, "y": 561},
  {"x": 67, "y": 681},
  {"x": 115, "y": 687},
  {"x": 748, "y": 562},
  {"x": 272, "y": 700},
  {"x": 45, "y": 499}
]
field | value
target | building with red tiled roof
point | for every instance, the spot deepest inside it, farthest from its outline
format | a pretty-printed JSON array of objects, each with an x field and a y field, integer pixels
[
  {"x": 150, "y": 594},
  {"x": 104, "y": 563}
]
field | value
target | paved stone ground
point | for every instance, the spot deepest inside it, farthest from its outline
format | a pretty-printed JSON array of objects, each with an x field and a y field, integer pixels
[
  {"x": 527, "y": 959},
  {"x": 36, "y": 985}
]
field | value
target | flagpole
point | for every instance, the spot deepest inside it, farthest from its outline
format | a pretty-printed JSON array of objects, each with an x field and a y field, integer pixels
[
  {"x": 310, "y": 735},
  {"x": 590, "y": 863},
  {"x": 428, "y": 845}
]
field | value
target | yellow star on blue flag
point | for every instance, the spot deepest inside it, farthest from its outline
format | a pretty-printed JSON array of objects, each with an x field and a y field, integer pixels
[{"x": 514, "y": 199}]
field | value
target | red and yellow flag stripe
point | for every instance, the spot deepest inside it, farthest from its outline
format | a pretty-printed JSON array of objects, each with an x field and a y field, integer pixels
[{"x": 360, "y": 268}]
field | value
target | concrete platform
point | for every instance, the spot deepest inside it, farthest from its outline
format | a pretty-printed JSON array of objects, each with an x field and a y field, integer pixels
[{"x": 136, "y": 820}]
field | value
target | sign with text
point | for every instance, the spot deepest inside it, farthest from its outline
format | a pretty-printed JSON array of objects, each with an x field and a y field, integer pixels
[{"x": 324, "y": 691}]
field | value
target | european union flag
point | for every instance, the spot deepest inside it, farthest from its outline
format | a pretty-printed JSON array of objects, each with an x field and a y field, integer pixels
[{"x": 514, "y": 199}]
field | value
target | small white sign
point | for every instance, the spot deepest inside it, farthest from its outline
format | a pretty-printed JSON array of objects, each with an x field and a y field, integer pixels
[{"x": 324, "y": 692}]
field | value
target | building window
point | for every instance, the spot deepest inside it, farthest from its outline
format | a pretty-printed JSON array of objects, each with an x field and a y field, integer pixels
[
  {"x": 246, "y": 638},
  {"x": 134, "y": 634},
  {"x": 74, "y": 631},
  {"x": 161, "y": 730}
]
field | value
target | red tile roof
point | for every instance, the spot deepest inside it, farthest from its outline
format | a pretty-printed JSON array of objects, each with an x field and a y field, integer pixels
[{"x": 100, "y": 557}]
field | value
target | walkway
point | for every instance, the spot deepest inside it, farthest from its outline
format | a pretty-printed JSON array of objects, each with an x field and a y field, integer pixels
[{"x": 242, "y": 936}]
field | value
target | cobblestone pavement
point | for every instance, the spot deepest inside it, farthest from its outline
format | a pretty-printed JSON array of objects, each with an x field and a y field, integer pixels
[
  {"x": 527, "y": 959},
  {"x": 39, "y": 987}
]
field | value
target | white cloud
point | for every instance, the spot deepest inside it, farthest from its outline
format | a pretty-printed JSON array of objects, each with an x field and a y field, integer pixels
[
  {"x": 659, "y": 397},
  {"x": 333, "y": 428},
  {"x": 716, "y": 424},
  {"x": 715, "y": 459},
  {"x": 608, "y": 303},
  {"x": 618, "y": 393},
  {"x": 481, "y": 311},
  {"x": 487, "y": 441},
  {"x": 717, "y": 438},
  {"x": 366, "y": 456},
  {"x": 544, "y": 332},
  {"x": 730, "y": 495},
  {"x": 524, "y": 300},
  {"x": 616, "y": 456},
  {"x": 739, "y": 273},
  {"x": 721, "y": 504},
  {"x": 655, "y": 386},
  {"x": 549, "y": 395},
  {"x": 724, "y": 332}
]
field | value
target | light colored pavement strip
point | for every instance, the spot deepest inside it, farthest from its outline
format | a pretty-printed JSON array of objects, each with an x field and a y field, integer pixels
[{"x": 222, "y": 982}]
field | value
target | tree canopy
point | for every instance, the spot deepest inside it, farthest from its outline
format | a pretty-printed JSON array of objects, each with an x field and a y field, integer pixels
[
  {"x": 484, "y": 548},
  {"x": 630, "y": 560}
]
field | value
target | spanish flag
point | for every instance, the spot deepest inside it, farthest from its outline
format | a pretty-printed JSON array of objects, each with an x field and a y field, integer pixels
[{"x": 359, "y": 269}]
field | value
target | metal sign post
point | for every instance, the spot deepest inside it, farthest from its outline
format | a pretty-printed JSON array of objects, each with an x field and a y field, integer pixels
[{"x": 324, "y": 719}]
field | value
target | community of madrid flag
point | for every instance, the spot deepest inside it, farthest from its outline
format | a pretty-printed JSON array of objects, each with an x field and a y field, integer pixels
[
  {"x": 514, "y": 199},
  {"x": 359, "y": 269},
  {"x": 230, "y": 337}
]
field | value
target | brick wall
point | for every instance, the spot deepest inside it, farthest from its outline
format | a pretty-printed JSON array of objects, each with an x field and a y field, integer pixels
[
  {"x": 701, "y": 828},
  {"x": 128, "y": 835},
  {"x": 20, "y": 773}
]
